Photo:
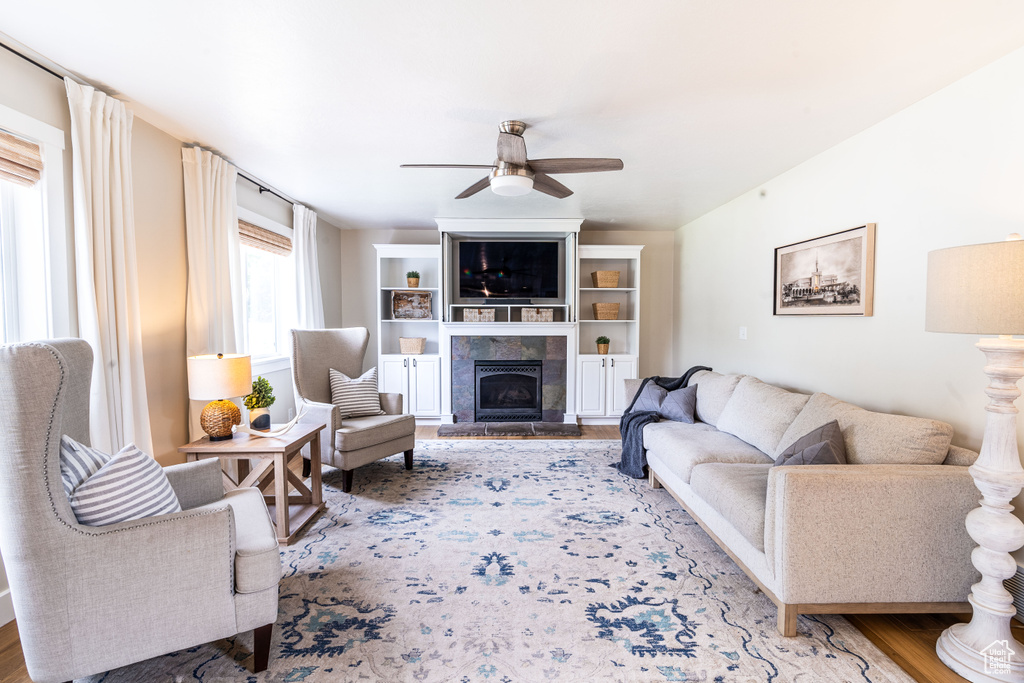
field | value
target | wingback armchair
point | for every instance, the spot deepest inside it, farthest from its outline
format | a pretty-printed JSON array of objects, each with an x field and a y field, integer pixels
[
  {"x": 90, "y": 599},
  {"x": 353, "y": 441}
]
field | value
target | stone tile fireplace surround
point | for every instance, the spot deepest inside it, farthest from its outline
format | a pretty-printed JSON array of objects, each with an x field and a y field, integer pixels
[{"x": 551, "y": 351}]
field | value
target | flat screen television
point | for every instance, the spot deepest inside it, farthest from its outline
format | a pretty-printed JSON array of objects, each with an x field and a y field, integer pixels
[{"x": 508, "y": 270}]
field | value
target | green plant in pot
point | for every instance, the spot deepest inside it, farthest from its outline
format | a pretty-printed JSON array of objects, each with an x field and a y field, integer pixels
[
  {"x": 412, "y": 278},
  {"x": 258, "y": 404},
  {"x": 602, "y": 344}
]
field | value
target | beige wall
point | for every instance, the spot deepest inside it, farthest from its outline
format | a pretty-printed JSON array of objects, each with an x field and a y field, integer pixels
[{"x": 946, "y": 171}]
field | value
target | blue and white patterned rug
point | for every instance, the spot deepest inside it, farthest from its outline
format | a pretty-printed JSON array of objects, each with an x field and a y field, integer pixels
[{"x": 508, "y": 561}]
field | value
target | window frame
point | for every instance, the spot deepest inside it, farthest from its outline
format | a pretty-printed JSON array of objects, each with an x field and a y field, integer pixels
[
  {"x": 59, "y": 259},
  {"x": 281, "y": 361}
]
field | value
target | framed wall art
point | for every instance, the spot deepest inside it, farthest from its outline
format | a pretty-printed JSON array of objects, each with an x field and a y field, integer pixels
[
  {"x": 829, "y": 275},
  {"x": 411, "y": 305}
]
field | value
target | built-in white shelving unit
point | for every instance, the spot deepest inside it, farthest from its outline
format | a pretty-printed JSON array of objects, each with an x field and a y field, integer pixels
[
  {"x": 600, "y": 377},
  {"x": 416, "y": 376}
]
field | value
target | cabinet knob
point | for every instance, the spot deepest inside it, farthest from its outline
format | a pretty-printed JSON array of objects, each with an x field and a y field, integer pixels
[
  {"x": 613, "y": 362},
  {"x": 602, "y": 362},
  {"x": 414, "y": 362},
  {"x": 405, "y": 362}
]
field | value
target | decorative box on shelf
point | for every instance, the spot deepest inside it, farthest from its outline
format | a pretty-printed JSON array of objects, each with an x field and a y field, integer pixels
[
  {"x": 412, "y": 345},
  {"x": 606, "y": 311},
  {"x": 605, "y": 278},
  {"x": 478, "y": 315},
  {"x": 538, "y": 315},
  {"x": 410, "y": 305}
]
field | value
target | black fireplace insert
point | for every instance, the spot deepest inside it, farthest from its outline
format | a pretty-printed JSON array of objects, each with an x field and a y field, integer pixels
[{"x": 508, "y": 391}]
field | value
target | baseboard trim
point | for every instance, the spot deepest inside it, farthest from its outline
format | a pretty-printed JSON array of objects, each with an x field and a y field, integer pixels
[{"x": 6, "y": 607}]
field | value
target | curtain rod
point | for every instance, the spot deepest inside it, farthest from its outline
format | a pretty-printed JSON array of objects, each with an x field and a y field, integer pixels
[
  {"x": 263, "y": 187},
  {"x": 31, "y": 61}
]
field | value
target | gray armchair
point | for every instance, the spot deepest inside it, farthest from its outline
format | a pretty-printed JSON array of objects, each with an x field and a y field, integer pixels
[
  {"x": 90, "y": 599},
  {"x": 354, "y": 441}
]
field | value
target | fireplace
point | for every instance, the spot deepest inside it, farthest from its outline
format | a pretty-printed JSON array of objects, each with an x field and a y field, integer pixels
[{"x": 508, "y": 391}]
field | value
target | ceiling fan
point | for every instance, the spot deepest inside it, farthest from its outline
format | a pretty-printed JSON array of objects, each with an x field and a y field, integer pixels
[{"x": 513, "y": 174}]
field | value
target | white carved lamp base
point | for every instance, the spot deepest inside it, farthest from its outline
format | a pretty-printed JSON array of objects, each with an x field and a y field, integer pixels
[{"x": 984, "y": 649}]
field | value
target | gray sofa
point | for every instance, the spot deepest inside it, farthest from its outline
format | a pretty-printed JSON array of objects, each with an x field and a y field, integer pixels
[{"x": 884, "y": 533}]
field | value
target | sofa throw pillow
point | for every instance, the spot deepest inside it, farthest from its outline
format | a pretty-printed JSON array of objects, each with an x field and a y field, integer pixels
[
  {"x": 130, "y": 485},
  {"x": 356, "y": 397},
  {"x": 821, "y": 446},
  {"x": 78, "y": 462},
  {"x": 677, "y": 405}
]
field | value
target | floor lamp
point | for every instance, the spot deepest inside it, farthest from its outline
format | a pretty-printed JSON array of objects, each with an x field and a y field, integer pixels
[{"x": 979, "y": 289}]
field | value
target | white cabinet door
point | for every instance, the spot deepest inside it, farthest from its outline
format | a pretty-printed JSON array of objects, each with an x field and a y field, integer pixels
[
  {"x": 591, "y": 382},
  {"x": 620, "y": 368},
  {"x": 425, "y": 385},
  {"x": 393, "y": 377}
]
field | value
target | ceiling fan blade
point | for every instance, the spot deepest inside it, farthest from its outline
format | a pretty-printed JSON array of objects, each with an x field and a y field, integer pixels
[
  {"x": 447, "y": 166},
  {"x": 512, "y": 149},
  {"x": 549, "y": 185},
  {"x": 575, "y": 165},
  {"x": 475, "y": 187}
]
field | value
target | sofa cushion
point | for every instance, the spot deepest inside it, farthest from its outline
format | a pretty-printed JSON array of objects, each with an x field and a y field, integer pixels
[
  {"x": 257, "y": 556},
  {"x": 821, "y": 446},
  {"x": 362, "y": 432},
  {"x": 760, "y": 413},
  {"x": 675, "y": 405},
  {"x": 874, "y": 438},
  {"x": 713, "y": 392},
  {"x": 682, "y": 447},
  {"x": 738, "y": 492}
]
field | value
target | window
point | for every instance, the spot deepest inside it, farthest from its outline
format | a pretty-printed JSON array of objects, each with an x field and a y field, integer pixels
[
  {"x": 34, "y": 291},
  {"x": 268, "y": 283}
]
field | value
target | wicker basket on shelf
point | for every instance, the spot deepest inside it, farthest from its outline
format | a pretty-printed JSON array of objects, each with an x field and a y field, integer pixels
[
  {"x": 606, "y": 311},
  {"x": 413, "y": 345},
  {"x": 605, "y": 278}
]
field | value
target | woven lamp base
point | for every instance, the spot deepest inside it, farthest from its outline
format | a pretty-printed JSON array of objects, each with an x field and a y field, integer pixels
[{"x": 218, "y": 417}]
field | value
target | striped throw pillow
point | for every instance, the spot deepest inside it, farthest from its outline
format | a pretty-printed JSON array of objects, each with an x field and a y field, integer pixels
[
  {"x": 131, "y": 485},
  {"x": 356, "y": 397},
  {"x": 78, "y": 462}
]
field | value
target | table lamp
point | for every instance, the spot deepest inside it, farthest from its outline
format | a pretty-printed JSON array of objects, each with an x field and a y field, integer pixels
[
  {"x": 216, "y": 378},
  {"x": 979, "y": 289}
]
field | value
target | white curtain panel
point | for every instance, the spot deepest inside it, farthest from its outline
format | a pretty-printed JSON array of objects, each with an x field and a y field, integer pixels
[
  {"x": 214, "y": 314},
  {"x": 309, "y": 299},
  {"x": 107, "y": 279}
]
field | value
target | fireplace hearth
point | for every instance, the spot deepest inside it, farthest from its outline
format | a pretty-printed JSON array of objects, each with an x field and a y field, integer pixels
[{"x": 508, "y": 391}]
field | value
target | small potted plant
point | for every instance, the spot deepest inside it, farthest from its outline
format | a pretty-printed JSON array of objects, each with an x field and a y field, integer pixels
[
  {"x": 602, "y": 344},
  {"x": 258, "y": 403},
  {"x": 412, "y": 278}
]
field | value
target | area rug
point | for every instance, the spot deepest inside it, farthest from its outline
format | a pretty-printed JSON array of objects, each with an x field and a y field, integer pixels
[
  {"x": 508, "y": 561},
  {"x": 538, "y": 429}
]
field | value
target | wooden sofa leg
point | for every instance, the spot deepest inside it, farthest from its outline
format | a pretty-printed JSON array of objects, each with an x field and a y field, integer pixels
[
  {"x": 346, "y": 481},
  {"x": 408, "y": 459},
  {"x": 787, "y": 620},
  {"x": 307, "y": 467},
  {"x": 261, "y": 647},
  {"x": 655, "y": 484}
]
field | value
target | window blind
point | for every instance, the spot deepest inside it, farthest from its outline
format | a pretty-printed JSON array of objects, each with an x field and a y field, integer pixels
[
  {"x": 21, "y": 161},
  {"x": 261, "y": 238}
]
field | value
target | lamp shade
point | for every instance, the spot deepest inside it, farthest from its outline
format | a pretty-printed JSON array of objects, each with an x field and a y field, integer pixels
[
  {"x": 977, "y": 289},
  {"x": 215, "y": 376}
]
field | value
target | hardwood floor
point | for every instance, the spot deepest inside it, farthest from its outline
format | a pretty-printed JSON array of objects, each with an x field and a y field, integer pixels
[{"x": 908, "y": 639}]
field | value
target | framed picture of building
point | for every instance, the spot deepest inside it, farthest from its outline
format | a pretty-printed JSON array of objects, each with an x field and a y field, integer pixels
[{"x": 830, "y": 275}]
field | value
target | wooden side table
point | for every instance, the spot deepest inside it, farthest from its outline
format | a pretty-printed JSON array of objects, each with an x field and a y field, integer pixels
[{"x": 289, "y": 512}]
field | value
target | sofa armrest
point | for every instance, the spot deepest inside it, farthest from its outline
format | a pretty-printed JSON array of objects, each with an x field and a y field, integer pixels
[
  {"x": 391, "y": 403},
  {"x": 629, "y": 389},
  {"x": 324, "y": 413},
  {"x": 870, "y": 533},
  {"x": 196, "y": 483}
]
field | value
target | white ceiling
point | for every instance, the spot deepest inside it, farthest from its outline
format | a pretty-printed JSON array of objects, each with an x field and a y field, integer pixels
[{"x": 702, "y": 99}]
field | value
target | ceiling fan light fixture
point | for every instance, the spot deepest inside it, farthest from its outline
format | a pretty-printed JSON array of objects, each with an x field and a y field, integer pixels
[{"x": 508, "y": 180}]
